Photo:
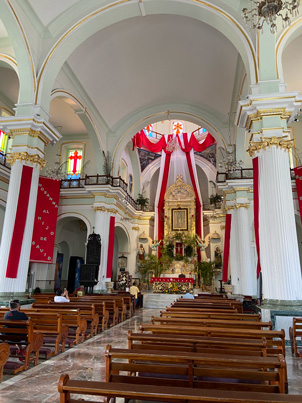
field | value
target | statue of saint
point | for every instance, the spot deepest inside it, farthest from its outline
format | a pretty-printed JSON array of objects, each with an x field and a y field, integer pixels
[
  {"x": 141, "y": 252},
  {"x": 202, "y": 247},
  {"x": 154, "y": 247}
]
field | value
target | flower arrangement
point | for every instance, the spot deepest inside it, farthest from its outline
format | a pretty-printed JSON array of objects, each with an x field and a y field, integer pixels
[{"x": 173, "y": 289}]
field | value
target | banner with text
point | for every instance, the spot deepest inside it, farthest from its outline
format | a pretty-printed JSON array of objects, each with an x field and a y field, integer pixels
[
  {"x": 298, "y": 177},
  {"x": 45, "y": 220}
]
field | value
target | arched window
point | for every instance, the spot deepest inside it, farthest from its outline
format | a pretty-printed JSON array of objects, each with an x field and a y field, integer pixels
[
  {"x": 75, "y": 163},
  {"x": 178, "y": 128},
  {"x": 3, "y": 142}
]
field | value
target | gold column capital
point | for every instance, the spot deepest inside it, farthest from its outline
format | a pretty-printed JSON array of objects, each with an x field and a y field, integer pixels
[
  {"x": 242, "y": 205},
  {"x": 99, "y": 208},
  {"x": 112, "y": 210},
  {"x": 267, "y": 142},
  {"x": 28, "y": 159}
]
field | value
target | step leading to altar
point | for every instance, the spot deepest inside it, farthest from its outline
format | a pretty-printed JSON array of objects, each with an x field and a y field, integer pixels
[{"x": 152, "y": 300}]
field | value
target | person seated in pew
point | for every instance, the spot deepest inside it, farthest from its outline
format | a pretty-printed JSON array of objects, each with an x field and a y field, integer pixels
[
  {"x": 134, "y": 290},
  {"x": 61, "y": 296},
  {"x": 188, "y": 295},
  {"x": 15, "y": 314}
]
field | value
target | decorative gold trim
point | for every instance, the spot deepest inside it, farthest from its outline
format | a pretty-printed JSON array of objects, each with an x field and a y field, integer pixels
[
  {"x": 27, "y": 158},
  {"x": 4, "y": 56},
  {"x": 229, "y": 208},
  {"x": 242, "y": 189},
  {"x": 242, "y": 205},
  {"x": 261, "y": 113},
  {"x": 7, "y": 110},
  {"x": 26, "y": 43},
  {"x": 27, "y": 146},
  {"x": 135, "y": 228},
  {"x": 256, "y": 146},
  {"x": 112, "y": 210},
  {"x": 99, "y": 208}
]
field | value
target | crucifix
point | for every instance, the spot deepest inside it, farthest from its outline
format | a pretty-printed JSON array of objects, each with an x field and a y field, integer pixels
[{"x": 75, "y": 157}]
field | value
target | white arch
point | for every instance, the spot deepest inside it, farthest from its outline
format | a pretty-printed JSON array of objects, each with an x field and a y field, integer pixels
[
  {"x": 79, "y": 216},
  {"x": 294, "y": 30},
  {"x": 120, "y": 10},
  {"x": 123, "y": 228}
]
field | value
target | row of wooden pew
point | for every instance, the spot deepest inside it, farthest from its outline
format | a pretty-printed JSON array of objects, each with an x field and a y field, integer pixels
[
  {"x": 52, "y": 327},
  {"x": 204, "y": 350}
]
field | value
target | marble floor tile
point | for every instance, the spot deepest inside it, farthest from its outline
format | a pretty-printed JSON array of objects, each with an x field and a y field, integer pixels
[{"x": 87, "y": 362}]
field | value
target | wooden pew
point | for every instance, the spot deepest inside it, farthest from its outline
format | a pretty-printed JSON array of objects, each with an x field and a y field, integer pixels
[
  {"x": 4, "y": 354},
  {"x": 274, "y": 338},
  {"x": 21, "y": 332},
  {"x": 199, "y": 344},
  {"x": 186, "y": 369},
  {"x": 72, "y": 318},
  {"x": 221, "y": 304},
  {"x": 87, "y": 311},
  {"x": 294, "y": 333},
  {"x": 50, "y": 324},
  {"x": 213, "y": 315},
  {"x": 226, "y": 309},
  {"x": 212, "y": 322},
  {"x": 66, "y": 387},
  {"x": 115, "y": 307}
]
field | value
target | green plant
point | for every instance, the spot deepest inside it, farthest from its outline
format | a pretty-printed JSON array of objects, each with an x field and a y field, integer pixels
[
  {"x": 150, "y": 266},
  {"x": 178, "y": 257},
  {"x": 215, "y": 199},
  {"x": 142, "y": 201},
  {"x": 205, "y": 271},
  {"x": 107, "y": 163}
]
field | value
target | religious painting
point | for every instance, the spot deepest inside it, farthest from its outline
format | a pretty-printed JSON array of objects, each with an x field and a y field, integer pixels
[
  {"x": 146, "y": 158},
  {"x": 130, "y": 183},
  {"x": 180, "y": 219}
]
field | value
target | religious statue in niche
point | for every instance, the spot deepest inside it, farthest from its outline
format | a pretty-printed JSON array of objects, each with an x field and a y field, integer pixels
[
  {"x": 154, "y": 247},
  {"x": 202, "y": 245},
  {"x": 218, "y": 258},
  {"x": 141, "y": 252}
]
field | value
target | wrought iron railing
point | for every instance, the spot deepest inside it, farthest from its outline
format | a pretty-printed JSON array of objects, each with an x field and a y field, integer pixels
[
  {"x": 102, "y": 180},
  {"x": 243, "y": 173}
]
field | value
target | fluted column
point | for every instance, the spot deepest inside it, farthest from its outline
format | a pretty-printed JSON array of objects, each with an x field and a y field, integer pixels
[
  {"x": 248, "y": 283},
  {"x": 30, "y": 135},
  {"x": 279, "y": 254}
]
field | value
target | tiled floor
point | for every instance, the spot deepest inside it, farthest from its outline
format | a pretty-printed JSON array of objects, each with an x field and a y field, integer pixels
[{"x": 87, "y": 361}]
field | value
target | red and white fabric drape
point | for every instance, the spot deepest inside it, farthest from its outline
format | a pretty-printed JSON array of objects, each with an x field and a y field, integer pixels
[{"x": 179, "y": 161}]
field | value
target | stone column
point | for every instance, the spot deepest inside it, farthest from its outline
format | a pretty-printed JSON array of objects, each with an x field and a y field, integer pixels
[
  {"x": 234, "y": 252},
  {"x": 30, "y": 135},
  {"x": 279, "y": 254},
  {"x": 248, "y": 281}
]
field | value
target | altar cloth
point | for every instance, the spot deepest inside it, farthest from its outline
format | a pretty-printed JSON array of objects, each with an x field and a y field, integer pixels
[{"x": 171, "y": 280}]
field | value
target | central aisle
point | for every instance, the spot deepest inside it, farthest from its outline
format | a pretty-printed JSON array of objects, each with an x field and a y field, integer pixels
[{"x": 85, "y": 362}]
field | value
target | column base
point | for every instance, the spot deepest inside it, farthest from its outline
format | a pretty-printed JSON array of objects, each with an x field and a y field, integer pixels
[{"x": 281, "y": 313}]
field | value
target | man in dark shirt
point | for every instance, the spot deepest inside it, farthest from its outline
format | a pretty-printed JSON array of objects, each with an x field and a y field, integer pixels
[{"x": 14, "y": 313}]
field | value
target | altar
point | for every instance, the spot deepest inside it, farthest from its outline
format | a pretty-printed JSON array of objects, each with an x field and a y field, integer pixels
[{"x": 172, "y": 284}]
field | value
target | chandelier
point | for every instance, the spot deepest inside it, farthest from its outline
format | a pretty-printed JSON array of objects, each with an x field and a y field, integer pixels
[
  {"x": 56, "y": 172},
  {"x": 229, "y": 163},
  {"x": 268, "y": 11}
]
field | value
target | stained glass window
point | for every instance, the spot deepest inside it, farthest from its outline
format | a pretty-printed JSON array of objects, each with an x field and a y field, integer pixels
[
  {"x": 3, "y": 142},
  {"x": 149, "y": 131},
  {"x": 178, "y": 128},
  {"x": 74, "y": 164}
]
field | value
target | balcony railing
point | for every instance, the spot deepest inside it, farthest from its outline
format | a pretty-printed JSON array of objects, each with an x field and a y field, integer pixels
[
  {"x": 102, "y": 180},
  {"x": 243, "y": 173}
]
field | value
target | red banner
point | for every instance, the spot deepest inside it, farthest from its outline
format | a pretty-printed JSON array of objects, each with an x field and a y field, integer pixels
[
  {"x": 110, "y": 247},
  {"x": 256, "y": 209},
  {"x": 45, "y": 220},
  {"x": 226, "y": 252},
  {"x": 20, "y": 222},
  {"x": 298, "y": 176}
]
